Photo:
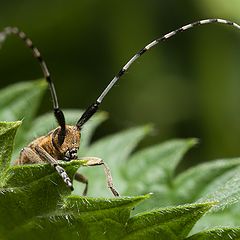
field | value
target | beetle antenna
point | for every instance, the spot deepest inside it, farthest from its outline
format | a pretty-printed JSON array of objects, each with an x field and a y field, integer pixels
[
  {"x": 92, "y": 109},
  {"x": 36, "y": 53}
]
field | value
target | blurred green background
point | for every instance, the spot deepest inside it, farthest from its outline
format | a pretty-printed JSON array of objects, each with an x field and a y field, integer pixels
[{"x": 187, "y": 87}]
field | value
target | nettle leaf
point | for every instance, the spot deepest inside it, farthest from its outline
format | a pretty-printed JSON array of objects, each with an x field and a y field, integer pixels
[
  {"x": 226, "y": 194},
  {"x": 109, "y": 219},
  {"x": 229, "y": 204},
  {"x": 14, "y": 105},
  {"x": 114, "y": 150},
  {"x": 81, "y": 218},
  {"x": 204, "y": 178},
  {"x": 215, "y": 181},
  {"x": 152, "y": 170},
  {"x": 29, "y": 191},
  {"x": 228, "y": 217},
  {"x": 15, "y": 100},
  {"x": 7, "y": 135},
  {"x": 155, "y": 165},
  {"x": 169, "y": 223},
  {"x": 217, "y": 234}
]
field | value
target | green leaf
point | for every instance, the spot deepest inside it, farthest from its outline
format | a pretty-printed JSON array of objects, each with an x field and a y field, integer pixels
[
  {"x": 7, "y": 135},
  {"x": 15, "y": 100},
  {"x": 31, "y": 190},
  {"x": 152, "y": 170},
  {"x": 195, "y": 182},
  {"x": 168, "y": 223},
  {"x": 26, "y": 175},
  {"x": 80, "y": 218},
  {"x": 88, "y": 130},
  {"x": 217, "y": 234},
  {"x": 228, "y": 217},
  {"x": 114, "y": 150},
  {"x": 225, "y": 190},
  {"x": 14, "y": 105},
  {"x": 155, "y": 165},
  {"x": 226, "y": 194}
]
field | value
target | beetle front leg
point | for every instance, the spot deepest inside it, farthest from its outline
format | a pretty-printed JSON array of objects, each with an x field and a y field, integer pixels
[
  {"x": 94, "y": 161},
  {"x": 47, "y": 157},
  {"x": 80, "y": 178}
]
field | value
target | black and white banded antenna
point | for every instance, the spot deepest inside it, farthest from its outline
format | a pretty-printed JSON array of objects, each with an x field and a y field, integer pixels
[
  {"x": 92, "y": 109},
  {"x": 36, "y": 53}
]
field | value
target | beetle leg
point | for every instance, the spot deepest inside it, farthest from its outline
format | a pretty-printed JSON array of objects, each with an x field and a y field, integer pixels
[
  {"x": 47, "y": 157},
  {"x": 94, "y": 161},
  {"x": 80, "y": 178}
]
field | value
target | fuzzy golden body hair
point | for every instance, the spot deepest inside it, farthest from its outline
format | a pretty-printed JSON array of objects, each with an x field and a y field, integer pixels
[{"x": 50, "y": 144}]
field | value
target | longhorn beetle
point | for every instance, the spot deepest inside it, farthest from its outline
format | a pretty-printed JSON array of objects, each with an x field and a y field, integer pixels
[{"x": 63, "y": 142}]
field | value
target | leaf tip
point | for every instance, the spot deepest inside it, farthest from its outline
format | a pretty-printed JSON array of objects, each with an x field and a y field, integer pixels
[
  {"x": 17, "y": 123},
  {"x": 6, "y": 126},
  {"x": 193, "y": 141},
  {"x": 104, "y": 115},
  {"x": 149, "y": 128},
  {"x": 41, "y": 83},
  {"x": 207, "y": 206}
]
